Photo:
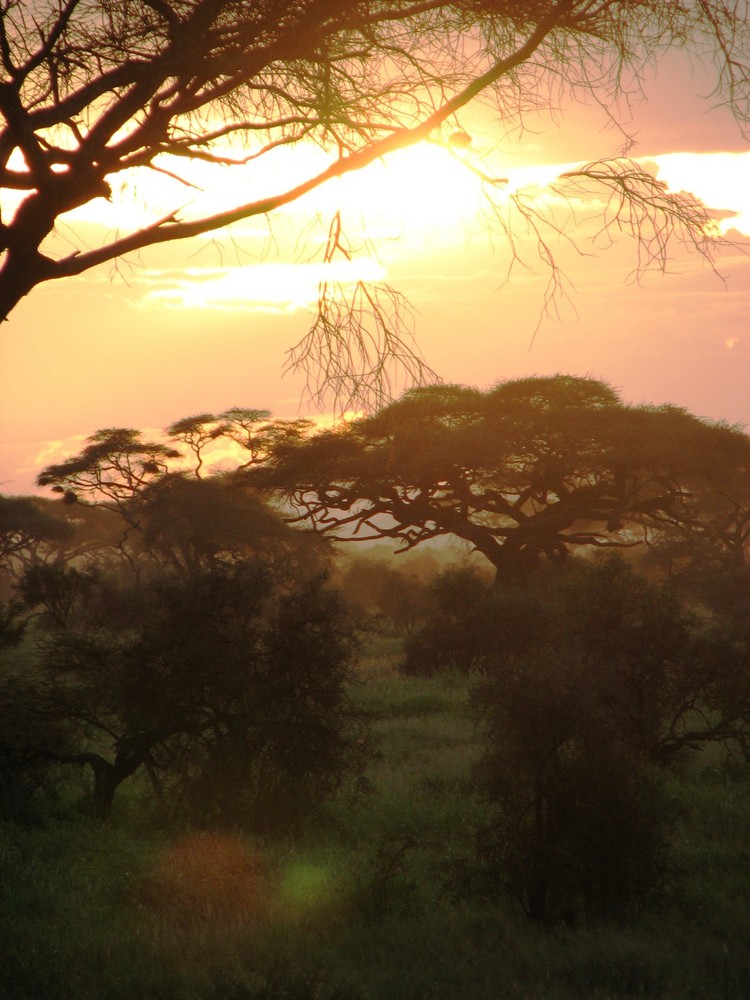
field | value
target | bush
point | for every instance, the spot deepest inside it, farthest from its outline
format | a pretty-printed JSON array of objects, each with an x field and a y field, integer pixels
[
  {"x": 470, "y": 621},
  {"x": 576, "y": 723},
  {"x": 260, "y": 668},
  {"x": 227, "y": 685},
  {"x": 580, "y": 816}
]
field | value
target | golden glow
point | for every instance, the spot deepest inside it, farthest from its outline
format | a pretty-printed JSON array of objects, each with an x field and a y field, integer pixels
[
  {"x": 272, "y": 287},
  {"x": 424, "y": 193},
  {"x": 417, "y": 195},
  {"x": 425, "y": 189},
  {"x": 423, "y": 200}
]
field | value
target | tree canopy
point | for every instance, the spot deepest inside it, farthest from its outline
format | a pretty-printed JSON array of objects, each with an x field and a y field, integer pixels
[
  {"x": 91, "y": 91},
  {"x": 529, "y": 469},
  {"x": 24, "y": 523},
  {"x": 169, "y": 515},
  {"x": 228, "y": 687}
]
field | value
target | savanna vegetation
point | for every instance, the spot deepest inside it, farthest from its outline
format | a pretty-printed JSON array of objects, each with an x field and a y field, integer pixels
[{"x": 241, "y": 760}]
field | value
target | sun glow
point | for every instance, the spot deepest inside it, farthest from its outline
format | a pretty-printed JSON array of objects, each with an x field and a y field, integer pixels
[
  {"x": 418, "y": 195},
  {"x": 423, "y": 200},
  {"x": 423, "y": 189},
  {"x": 273, "y": 287},
  {"x": 420, "y": 199}
]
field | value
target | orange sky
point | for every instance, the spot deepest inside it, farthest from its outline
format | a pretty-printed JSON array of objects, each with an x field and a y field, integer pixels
[{"x": 188, "y": 328}]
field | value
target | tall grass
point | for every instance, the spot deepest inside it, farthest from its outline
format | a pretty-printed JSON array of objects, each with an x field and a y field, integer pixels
[{"x": 367, "y": 904}]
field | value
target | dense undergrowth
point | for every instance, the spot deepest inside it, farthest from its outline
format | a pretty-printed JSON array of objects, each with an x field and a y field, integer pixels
[{"x": 378, "y": 900}]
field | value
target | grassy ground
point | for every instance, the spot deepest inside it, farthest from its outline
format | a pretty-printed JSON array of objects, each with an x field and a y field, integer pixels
[{"x": 368, "y": 905}]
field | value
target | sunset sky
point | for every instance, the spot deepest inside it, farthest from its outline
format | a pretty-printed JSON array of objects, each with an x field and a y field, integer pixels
[{"x": 205, "y": 326}]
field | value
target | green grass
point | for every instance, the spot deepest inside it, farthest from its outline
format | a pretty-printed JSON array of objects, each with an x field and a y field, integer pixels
[{"x": 365, "y": 905}]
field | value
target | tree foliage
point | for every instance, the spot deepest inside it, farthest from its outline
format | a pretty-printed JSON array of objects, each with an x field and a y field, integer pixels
[
  {"x": 228, "y": 687},
  {"x": 93, "y": 91},
  {"x": 616, "y": 682},
  {"x": 532, "y": 468},
  {"x": 27, "y": 523},
  {"x": 172, "y": 515},
  {"x": 708, "y": 557}
]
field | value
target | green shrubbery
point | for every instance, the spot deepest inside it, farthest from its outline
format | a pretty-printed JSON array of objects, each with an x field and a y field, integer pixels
[{"x": 228, "y": 687}]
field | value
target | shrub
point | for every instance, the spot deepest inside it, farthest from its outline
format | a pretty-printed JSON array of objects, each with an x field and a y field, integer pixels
[
  {"x": 576, "y": 724},
  {"x": 229, "y": 687},
  {"x": 580, "y": 818},
  {"x": 470, "y": 621}
]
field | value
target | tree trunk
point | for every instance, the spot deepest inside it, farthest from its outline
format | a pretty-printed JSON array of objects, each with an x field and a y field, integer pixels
[
  {"x": 108, "y": 778},
  {"x": 538, "y": 882}
]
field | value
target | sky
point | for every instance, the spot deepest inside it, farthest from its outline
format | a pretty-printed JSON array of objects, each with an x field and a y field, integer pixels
[{"x": 206, "y": 326}]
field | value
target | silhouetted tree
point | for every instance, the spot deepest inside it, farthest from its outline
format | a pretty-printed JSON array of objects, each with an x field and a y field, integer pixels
[
  {"x": 55, "y": 591},
  {"x": 580, "y": 828},
  {"x": 530, "y": 469},
  {"x": 26, "y": 524},
  {"x": 196, "y": 432},
  {"x": 169, "y": 515},
  {"x": 228, "y": 687},
  {"x": 31, "y": 538},
  {"x": 186, "y": 669},
  {"x": 708, "y": 557},
  {"x": 192, "y": 524},
  {"x": 617, "y": 681},
  {"x": 92, "y": 90},
  {"x": 112, "y": 470},
  {"x": 254, "y": 432}
]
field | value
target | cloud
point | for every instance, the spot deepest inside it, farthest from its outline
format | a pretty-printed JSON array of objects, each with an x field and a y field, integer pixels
[
  {"x": 719, "y": 180},
  {"x": 275, "y": 287},
  {"x": 53, "y": 452}
]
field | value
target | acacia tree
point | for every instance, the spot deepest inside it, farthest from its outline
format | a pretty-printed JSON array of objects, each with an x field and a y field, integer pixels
[
  {"x": 90, "y": 90},
  {"x": 222, "y": 670},
  {"x": 255, "y": 432},
  {"x": 532, "y": 468},
  {"x": 112, "y": 472},
  {"x": 171, "y": 515},
  {"x": 30, "y": 533}
]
